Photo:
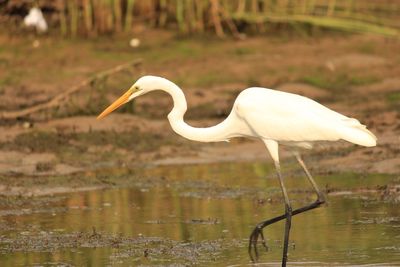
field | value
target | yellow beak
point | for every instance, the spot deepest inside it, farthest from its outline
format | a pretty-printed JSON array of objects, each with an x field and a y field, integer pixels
[{"x": 117, "y": 103}]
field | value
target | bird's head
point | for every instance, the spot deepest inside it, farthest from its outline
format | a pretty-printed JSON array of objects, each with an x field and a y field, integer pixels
[{"x": 142, "y": 86}]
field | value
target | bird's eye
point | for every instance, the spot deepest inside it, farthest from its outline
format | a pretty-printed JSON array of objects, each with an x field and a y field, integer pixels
[{"x": 136, "y": 88}]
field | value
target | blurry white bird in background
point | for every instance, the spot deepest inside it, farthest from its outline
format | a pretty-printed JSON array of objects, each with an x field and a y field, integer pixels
[
  {"x": 275, "y": 118},
  {"x": 36, "y": 19}
]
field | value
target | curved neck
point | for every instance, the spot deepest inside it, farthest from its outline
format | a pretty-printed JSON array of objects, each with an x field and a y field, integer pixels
[{"x": 219, "y": 132}]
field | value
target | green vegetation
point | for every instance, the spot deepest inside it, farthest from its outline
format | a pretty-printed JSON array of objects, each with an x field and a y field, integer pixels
[
  {"x": 394, "y": 100},
  {"x": 366, "y": 48},
  {"x": 91, "y": 18},
  {"x": 242, "y": 51},
  {"x": 8, "y": 80},
  {"x": 337, "y": 81},
  {"x": 394, "y": 97},
  {"x": 349, "y": 25},
  {"x": 212, "y": 78}
]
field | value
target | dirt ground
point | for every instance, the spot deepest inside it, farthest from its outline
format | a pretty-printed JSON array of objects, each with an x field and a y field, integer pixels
[{"x": 357, "y": 75}]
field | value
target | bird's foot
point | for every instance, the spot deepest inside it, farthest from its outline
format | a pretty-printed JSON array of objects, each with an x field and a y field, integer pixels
[{"x": 256, "y": 234}]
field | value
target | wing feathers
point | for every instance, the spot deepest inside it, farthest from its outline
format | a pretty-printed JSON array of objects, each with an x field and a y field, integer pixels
[
  {"x": 286, "y": 117},
  {"x": 357, "y": 133}
]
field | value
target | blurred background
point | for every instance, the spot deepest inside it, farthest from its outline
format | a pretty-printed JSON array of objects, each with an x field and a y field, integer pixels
[{"x": 63, "y": 62}]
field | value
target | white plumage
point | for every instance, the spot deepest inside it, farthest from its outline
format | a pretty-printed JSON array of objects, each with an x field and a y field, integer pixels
[
  {"x": 296, "y": 120},
  {"x": 36, "y": 19},
  {"x": 270, "y": 115},
  {"x": 273, "y": 116}
]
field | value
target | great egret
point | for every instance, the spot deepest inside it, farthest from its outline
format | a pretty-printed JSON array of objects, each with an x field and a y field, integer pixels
[
  {"x": 36, "y": 19},
  {"x": 275, "y": 118}
]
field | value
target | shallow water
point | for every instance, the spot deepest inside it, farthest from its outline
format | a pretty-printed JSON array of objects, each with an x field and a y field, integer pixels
[{"x": 206, "y": 211}]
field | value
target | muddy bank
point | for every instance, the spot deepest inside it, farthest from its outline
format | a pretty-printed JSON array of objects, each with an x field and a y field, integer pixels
[{"x": 67, "y": 150}]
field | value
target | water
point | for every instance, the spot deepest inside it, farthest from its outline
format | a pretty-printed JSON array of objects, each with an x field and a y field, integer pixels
[{"x": 203, "y": 214}]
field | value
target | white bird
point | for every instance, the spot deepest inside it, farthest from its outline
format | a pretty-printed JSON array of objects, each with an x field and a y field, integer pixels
[
  {"x": 36, "y": 19},
  {"x": 272, "y": 116}
]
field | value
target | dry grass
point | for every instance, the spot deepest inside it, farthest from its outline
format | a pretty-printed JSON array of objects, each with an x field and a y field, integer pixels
[{"x": 93, "y": 17}]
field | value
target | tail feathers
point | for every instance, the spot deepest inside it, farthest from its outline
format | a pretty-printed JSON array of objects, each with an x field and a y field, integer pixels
[{"x": 357, "y": 133}]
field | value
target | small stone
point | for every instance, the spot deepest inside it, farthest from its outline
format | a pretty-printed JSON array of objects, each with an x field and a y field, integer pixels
[
  {"x": 330, "y": 66},
  {"x": 36, "y": 44},
  {"x": 27, "y": 125},
  {"x": 134, "y": 42}
]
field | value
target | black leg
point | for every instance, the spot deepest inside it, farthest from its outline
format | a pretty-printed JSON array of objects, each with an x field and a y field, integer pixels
[
  {"x": 288, "y": 214},
  {"x": 321, "y": 197},
  {"x": 257, "y": 232}
]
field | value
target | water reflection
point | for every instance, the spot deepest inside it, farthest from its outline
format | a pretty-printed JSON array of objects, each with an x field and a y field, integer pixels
[{"x": 350, "y": 230}]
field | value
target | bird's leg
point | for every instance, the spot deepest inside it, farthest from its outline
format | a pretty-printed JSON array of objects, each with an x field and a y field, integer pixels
[
  {"x": 320, "y": 195},
  {"x": 288, "y": 213},
  {"x": 257, "y": 232}
]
